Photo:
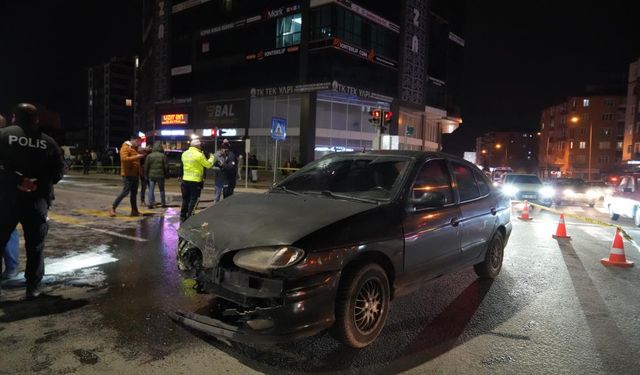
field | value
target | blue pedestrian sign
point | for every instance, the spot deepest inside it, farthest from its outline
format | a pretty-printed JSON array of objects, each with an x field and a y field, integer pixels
[{"x": 278, "y": 128}]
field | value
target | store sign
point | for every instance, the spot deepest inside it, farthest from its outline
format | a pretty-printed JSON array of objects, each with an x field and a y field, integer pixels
[
  {"x": 172, "y": 133},
  {"x": 289, "y": 90},
  {"x": 174, "y": 119},
  {"x": 222, "y": 114},
  {"x": 355, "y": 91},
  {"x": 341, "y": 45},
  {"x": 267, "y": 15},
  {"x": 272, "y": 52}
]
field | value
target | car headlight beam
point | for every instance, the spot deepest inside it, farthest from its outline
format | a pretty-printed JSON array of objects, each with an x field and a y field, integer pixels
[
  {"x": 510, "y": 190},
  {"x": 547, "y": 192},
  {"x": 265, "y": 259}
]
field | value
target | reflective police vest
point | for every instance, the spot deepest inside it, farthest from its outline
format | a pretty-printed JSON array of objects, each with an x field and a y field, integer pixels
[{"x": 193, "y": 162}]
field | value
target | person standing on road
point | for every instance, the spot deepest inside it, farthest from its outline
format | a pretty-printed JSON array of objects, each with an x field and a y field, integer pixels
[
  {"x": 155, "y": 167},
  {"x": 193, "y": 164},
  {"x": 30, "y": 164},
  {"x": 130, "y": 172},
  {"x": 144, "y": 182},
  {"x": 230, "y": 170},
  {"x": 86, "y": 161},
  {"x": 220, "y": 178},
  {"x": 11, "y": 250}
]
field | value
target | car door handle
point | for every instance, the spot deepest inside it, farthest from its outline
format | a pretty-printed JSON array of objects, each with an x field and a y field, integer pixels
[
  {"x": 493, "y": 211},
  {"x": 455, "y": 222}
]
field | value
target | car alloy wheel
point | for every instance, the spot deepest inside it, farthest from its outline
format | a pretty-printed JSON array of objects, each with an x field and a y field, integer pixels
[
  {"x": 362, "y": 304},
  {"x": 492, "y": 264},
  {"x": 368, "y": 307}
]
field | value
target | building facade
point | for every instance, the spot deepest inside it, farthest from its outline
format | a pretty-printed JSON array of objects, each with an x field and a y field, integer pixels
[
  {"x": 631, "y": 147},
  {"x": 111, "y": 103},
  {"x": 518, "y": 150},
  {"x": 317, "y": 67},
  {"x": 582, "y": 137}
]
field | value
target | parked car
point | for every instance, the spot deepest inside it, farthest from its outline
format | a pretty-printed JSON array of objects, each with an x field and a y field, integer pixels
[
  {"x": 625, "y": 199},
  {"x": 599, "y": 189},
  {"x": 331, "y": 245},
  {"x": 174, "y": 163},
  {"x": 573, "y": 191},
  {"x": 527, "y": 187}
]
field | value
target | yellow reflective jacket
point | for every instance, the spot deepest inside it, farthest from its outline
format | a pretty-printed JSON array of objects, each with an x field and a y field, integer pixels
[{"x": 193, "y": 162}]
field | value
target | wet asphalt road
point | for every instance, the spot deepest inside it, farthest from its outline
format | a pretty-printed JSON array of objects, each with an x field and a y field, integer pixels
[{"x": 553, "y": 309}]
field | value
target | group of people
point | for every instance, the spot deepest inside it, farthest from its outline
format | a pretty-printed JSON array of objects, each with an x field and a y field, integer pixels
[
  {"x": 141, "y": 167},
  {"x": 31, "y": 162}
]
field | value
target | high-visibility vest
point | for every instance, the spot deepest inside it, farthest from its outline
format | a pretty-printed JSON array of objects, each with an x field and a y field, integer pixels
[{"x": 193, "y": 162}]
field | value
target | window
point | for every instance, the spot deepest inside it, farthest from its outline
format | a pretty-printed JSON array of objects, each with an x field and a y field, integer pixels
[
  {"x": 585, "y": 102},
  {"x": 128, "y": 102},
  {"x": 581, "y": 158},
  {"x": 629, "y": 148},
  {"x": 433, "y": 177},
  {"x": 467, "y": 186},
  {"x": 583, "y": 145},
  {"x": 573, "y": 104},
  {"x": 619, "y": 146},
  {"x": 482, "y": 183},
  {"x": 605, "y": 132},
  {"x": 583, "y": 131},
  {"x": 603, "y": 159},
  {"x": 608, "y": 116},
  {"x": 349, "y": 26},
  {"x": 288, "y": 30},
  {"x": 571, "y": 145},
  {"x": 321, "y": 28},
  {"x": 605, "y": 145},
  {"x": 609, "y": 102},
  {"x": 636, "y": 148}
]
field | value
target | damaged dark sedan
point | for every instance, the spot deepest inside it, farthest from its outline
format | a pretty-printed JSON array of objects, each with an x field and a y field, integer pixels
[{"x": 334, "y": 243}]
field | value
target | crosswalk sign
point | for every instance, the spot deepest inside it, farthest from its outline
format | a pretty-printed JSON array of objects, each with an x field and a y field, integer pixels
[{"x": 278, "y": 128}]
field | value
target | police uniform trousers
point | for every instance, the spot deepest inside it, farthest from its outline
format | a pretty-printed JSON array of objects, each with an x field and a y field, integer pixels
[
  {"x": 190, "y": 193},
  {"x": 30, "y": 211}
]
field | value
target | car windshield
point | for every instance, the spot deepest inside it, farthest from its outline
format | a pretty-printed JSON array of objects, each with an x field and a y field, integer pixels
[
  {"x": 375, "y": 177},
  {"x": 522, "y": 179}
]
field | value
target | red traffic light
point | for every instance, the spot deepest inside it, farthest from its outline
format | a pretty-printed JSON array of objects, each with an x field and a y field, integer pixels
[
  {"x": 375, "y": 114},
  {"x": 387, "y": 116}
]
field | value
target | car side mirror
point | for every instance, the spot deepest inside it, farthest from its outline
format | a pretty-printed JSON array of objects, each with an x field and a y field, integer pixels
[{"x": 431, "y": 199}]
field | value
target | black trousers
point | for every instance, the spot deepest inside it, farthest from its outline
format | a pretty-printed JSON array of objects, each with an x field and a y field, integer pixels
[
  {"x": 130, "y": 187},
  {"x": 31, "y": 212},
  {"x": 190, "y": 194}
]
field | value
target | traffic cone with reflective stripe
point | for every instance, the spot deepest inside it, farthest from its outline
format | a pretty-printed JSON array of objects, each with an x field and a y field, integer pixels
[
  {"x": 525, "y": 212},
  {"x": 617, "y": 257},
  {"x": 561, "y": 232}
]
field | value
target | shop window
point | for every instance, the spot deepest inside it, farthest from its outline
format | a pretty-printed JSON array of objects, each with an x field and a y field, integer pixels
[{"x": 288, "y": 30}]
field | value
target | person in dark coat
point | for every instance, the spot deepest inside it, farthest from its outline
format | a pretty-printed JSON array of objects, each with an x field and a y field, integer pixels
[
  {"x": 31, "y": 163},
  {"x": 155, "y": 167},
  {"x": 86, "y": 161}
]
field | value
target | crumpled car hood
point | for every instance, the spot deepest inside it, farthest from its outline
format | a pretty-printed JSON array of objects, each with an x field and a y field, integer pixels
[{"x": 254, "y": 220}]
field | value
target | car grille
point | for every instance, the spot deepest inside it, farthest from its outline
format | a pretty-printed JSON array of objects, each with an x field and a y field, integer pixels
[{"x": 528, "y": 195}]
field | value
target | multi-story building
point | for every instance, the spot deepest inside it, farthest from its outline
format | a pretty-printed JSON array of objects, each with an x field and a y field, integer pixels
[
  {"x": 316, "y": 66},
  {"x": 631, "y": 148},
  {"x": 111, "y": 103},
  {"x": 582, "y": 137},
  {"x": 518, "y": 150}
]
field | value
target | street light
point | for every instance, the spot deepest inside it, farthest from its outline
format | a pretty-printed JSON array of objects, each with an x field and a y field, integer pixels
[{"x": 575, "y": 120}]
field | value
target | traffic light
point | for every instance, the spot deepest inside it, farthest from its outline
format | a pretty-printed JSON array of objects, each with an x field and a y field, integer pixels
[
  {"x": 375, "y": 116},
  {"x": 387, "y": 116}
]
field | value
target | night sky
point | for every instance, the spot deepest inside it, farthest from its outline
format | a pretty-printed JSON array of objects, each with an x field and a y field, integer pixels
[{"x": 520, "y": 55}]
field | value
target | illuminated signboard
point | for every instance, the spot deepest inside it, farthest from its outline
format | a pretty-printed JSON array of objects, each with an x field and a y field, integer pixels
[
  {"x": 175, "y": 119},
  {"x": 172, "y": 132}
]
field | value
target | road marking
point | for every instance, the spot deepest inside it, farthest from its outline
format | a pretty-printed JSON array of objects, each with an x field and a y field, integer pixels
[
  {"x": 77, "y": 223},
  {"x": 105, "y": 214}
]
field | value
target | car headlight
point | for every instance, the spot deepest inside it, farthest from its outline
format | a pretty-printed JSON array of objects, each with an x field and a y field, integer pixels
[
  {"x": 592, "y": 193},
  {"x": 568, "y": 192},
  {"x": 510, "y": 190},
  {"x": 547, "y": 192},
  {"x": 264, "y": 259}
]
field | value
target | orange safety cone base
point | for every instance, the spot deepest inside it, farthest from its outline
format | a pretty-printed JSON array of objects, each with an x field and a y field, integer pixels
[
  {"x": 624, "y": 264},
  {"x": 558, "y": 237},
  {"x": 525, "y": 218}
]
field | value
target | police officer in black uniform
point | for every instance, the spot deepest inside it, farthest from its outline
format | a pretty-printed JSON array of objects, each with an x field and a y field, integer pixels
[{"x": 30, "y": 164}]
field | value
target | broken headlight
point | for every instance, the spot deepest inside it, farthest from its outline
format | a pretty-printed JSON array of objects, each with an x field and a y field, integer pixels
[{"x": 264, "y": 259}]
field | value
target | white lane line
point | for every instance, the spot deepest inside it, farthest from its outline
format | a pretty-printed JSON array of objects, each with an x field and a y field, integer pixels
[{"x": 116, "y": 234}]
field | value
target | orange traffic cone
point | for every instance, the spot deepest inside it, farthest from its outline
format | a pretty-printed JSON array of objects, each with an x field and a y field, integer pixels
[
  {"x": 561, "y": 232},
  {"x": 525, "y": 212},
  {"x": 616, "y": 257}
]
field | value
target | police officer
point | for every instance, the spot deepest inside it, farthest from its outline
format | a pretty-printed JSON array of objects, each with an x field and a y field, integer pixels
[
  {"x": 193, "y": 164},
  {"x": 30, "y": 164}
]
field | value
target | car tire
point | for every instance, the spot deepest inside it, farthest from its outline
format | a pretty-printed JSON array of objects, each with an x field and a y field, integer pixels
[
  {"x": 492, "y": 264},
  {"x": 362, "y": 304},
  {"x": 613, "y": 215}
]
